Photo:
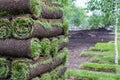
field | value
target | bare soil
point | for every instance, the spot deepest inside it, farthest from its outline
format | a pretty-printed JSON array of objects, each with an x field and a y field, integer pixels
[{"x": 81, "y": 41}]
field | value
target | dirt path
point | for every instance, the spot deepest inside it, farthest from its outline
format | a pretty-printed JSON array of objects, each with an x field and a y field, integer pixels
[{"x": 81, "y": 41}]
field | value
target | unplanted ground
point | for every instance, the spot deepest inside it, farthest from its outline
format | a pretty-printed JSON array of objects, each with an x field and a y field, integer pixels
[{"x": 81, "y": 41}]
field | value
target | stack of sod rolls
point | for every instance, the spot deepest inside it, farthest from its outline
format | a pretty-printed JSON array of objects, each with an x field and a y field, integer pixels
[{"x": 33, "y": 40}]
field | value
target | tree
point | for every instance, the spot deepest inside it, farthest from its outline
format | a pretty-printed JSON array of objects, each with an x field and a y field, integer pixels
[
  {"x": 106, "y": 9},
  {"x": 110, "y": 9}
]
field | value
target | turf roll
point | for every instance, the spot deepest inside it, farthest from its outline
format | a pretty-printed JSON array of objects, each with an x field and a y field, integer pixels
[
  {"x": 5, "y": 28},
  {"x": 51, "y": 3},
  {"x": 21, "y": 6},
  {"x": 30, "y": 48},
  {"x": 51, "y": 12},
  {"x": 63, "y": 42},
  {"x": 27, "y": 70},
  {"x": 4, "y": 68},
  {"x": 24, "y": 28},
  {"x": 56, "y": 74},
  {"x": 52, "y": 21}
]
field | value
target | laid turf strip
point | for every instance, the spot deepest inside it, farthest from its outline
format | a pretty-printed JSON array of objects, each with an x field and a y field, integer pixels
[
  {"x": 5, "y": 28},
  {"x": 24, "y": 28},
  {"x": 4, "y": 68},
  {"x": 20, "y": 48},
  {"x": 25, "y": 70},
  {"x": 21, "y": 6}
]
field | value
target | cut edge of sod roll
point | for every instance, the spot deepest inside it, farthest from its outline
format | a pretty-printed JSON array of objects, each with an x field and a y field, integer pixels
[
  {"x": 20, "y": 69},
  {"x": 36, "y": 7},
  {"x": 30, "y": 48},
  {"x": 4, "y": 68},
  {"x": 5, "y": 30},
  {"x": 22, "y": 27},
  {"x": 8, "y": 7}
]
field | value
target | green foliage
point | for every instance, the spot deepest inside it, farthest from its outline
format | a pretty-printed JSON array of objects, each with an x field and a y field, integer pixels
[
  {"x": 74, "y": 15},
  {"x": 79, "y": 16},
  {"x": 106, "y": 9}
]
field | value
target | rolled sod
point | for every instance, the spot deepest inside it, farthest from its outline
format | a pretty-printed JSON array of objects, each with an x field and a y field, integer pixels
[
  {"x": 51, "y": 3},
  {"x": 24, "y": 28},
  {"x": 52, "y": 21},
  {"x": 58, "y": 44},
  {"x": 4, "y": 68},
  {"x": 30, "y": 48},
  {"x": 21, "y": 6},
  {"x": 26, "y": 70},
  {"x": 5, "y": 28},
  {"x": 56, "y": 74},
  {"x": 51, "y": 12}
]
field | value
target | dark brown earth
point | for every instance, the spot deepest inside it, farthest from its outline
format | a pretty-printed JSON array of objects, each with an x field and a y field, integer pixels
[{"x": 82, "y": 41}]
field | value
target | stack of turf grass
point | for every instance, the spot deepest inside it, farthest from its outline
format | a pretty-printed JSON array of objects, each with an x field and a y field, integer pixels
[{"x": 33, "y": 40}]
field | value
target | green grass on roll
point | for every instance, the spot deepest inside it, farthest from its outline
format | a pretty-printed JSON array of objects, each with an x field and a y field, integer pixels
[
  {"x": 54, "y": 46},
  {"x": 24, "y": 69},
  {"x": 4, "y": 68},
  {"x": 5, "y": 30},
  {"x": 35, "y": 48},
  {"x": 20, "y": 70},
  {"x": 45, "y": 47},
  {"x": 12, "y": 7},
  {"x": 22, "y": 27},
  {"x": 36, "y": 7},
  {"x": 29, "y": 48}
]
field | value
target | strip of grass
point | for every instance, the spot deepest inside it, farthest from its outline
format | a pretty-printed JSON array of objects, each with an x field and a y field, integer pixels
[
  {"x": 99, "y": 67},
  {"x": 103, "y": 47},
  {"x": 91, "y": 75},
  {"x": 91, "y": 54}
]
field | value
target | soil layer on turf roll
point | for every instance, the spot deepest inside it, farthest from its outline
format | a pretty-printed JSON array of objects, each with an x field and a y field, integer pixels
[{"x": 20, "y": 48}]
